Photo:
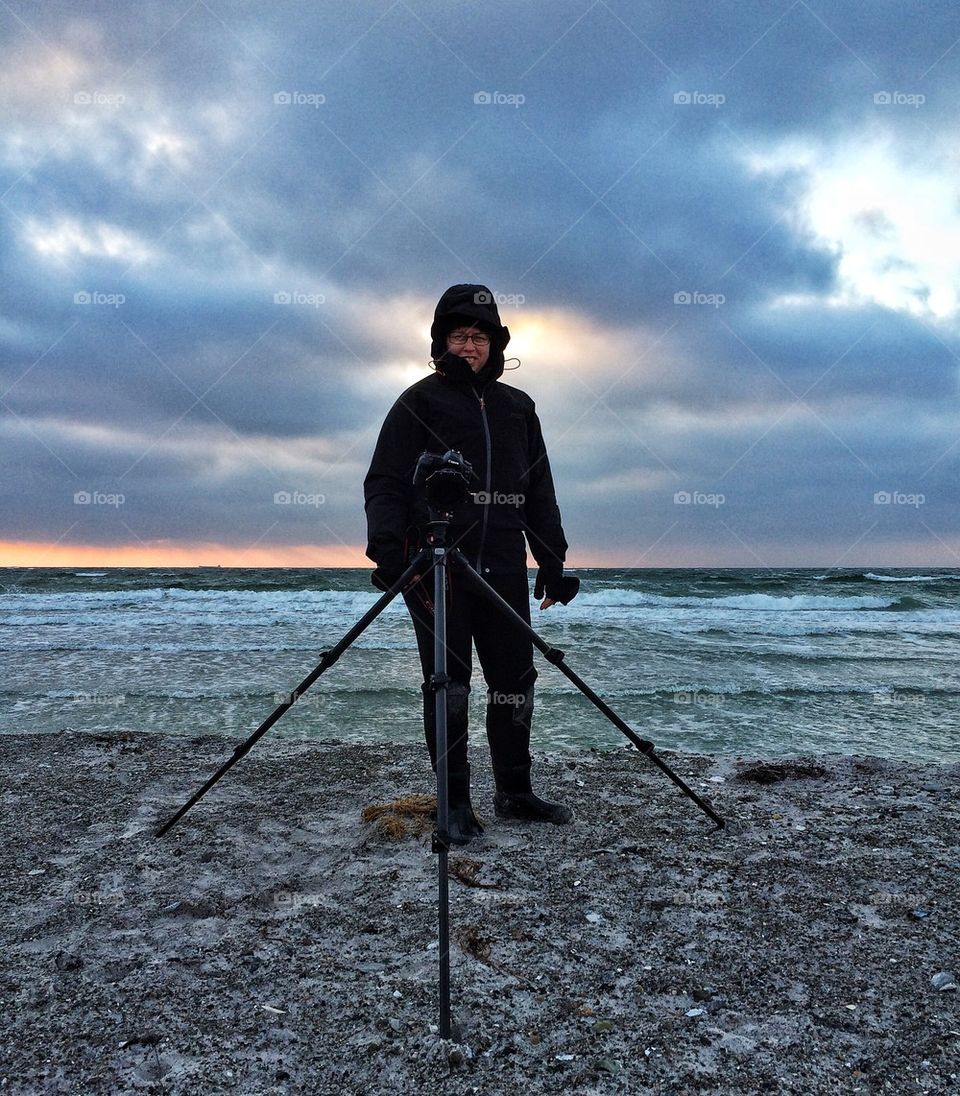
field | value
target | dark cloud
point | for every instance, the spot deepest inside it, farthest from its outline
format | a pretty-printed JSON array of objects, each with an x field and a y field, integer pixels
[{"x": 340, "y": 154}]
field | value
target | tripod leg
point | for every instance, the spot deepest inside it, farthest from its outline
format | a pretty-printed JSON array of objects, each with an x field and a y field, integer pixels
[
  {"x": 556, "y": 657},
  {"x": 441, "y": 841},
  {"x": 328, "y": 659}
]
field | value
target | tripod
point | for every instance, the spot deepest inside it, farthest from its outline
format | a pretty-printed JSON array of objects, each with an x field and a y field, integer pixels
[{"x": 435, "y": 557}]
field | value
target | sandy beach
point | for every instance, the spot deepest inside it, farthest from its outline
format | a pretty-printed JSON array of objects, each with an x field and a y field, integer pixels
[{"x": 275, "y": 943}]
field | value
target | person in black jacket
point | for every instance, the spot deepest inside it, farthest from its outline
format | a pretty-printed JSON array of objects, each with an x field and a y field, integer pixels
[{"x": 464, "y": 406}]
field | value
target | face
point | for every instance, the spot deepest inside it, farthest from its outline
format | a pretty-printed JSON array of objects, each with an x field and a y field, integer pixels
[{"x": 476, "y": 355}]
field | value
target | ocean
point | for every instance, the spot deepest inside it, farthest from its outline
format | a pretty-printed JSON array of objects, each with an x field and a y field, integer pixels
[{"x": 754, "y": 662}]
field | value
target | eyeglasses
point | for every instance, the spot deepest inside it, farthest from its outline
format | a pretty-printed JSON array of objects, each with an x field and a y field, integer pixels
[{"x": 459, "y": 339}]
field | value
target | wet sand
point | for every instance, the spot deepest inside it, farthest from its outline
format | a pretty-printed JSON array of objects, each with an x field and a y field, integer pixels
[{"x": 274, "y": 943}]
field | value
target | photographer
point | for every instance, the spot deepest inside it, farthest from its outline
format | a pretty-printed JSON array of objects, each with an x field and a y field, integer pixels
[{"x": 463, "y": 406}]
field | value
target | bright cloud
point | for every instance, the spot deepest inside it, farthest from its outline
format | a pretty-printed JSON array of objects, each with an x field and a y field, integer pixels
[
  {"x": 894, "y": 225},
  {"x": 68, "y": 237}
]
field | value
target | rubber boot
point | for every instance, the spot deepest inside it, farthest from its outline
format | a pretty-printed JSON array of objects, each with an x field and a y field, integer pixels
[
  {"x": 458, "y": 710},
  {"x": 509, "y": 716},
  {"x": 463, "y": 824},
  {"x": 515, "y": 799}
]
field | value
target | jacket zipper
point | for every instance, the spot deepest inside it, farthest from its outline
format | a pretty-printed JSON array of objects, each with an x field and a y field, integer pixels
[{"x": 486, "y": 508}]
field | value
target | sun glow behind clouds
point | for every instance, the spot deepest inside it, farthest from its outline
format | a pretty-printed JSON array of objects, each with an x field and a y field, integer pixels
[
  {"x": 559, "y": 347},
  {"x": 896, "y": 228}
]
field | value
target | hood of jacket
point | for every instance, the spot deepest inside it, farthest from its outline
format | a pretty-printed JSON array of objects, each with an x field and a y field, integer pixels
[{"x": 468, "y": 304}]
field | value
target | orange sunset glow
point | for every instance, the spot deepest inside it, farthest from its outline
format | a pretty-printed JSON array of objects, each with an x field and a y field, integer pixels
[{"x": 167, "y": 554}]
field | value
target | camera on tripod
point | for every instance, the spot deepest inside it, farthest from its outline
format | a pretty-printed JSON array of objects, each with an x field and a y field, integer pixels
[{"x": 445, "y": 477}]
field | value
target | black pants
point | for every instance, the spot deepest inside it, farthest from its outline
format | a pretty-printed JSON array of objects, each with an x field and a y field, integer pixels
[{"x": 506, "y": 658}]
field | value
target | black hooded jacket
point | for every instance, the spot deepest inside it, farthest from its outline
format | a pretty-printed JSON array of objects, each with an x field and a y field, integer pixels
[{"x": 495, "y": 427}]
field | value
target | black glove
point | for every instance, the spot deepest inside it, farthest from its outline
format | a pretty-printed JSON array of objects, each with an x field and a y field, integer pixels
[
  {"x": 383, "y": 579},
  {"x": 389, "y": 569},
  {"x": 550, "y": 580}
]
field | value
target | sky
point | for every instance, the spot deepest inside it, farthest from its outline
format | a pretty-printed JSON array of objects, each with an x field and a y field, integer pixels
[{"x": 725, "y": 238}]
